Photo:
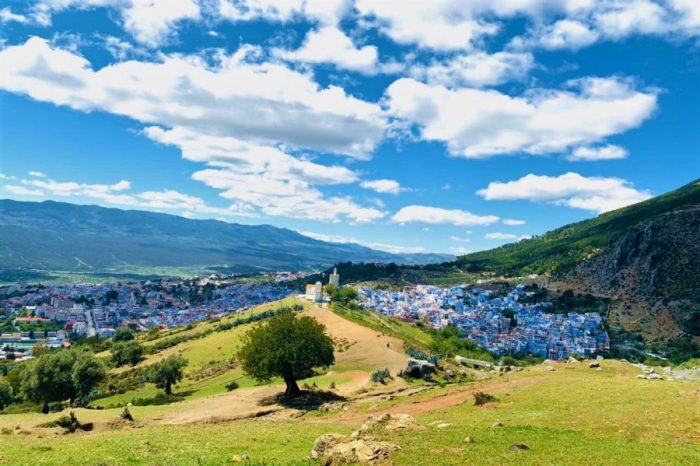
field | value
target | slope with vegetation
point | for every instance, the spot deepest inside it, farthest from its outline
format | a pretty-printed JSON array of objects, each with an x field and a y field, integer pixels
[{"x": 571, "y": 415}]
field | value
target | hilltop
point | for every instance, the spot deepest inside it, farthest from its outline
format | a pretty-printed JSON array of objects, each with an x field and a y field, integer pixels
[
  {"x": 573, "y": 414},
  {"x": 59, "y": 237}
]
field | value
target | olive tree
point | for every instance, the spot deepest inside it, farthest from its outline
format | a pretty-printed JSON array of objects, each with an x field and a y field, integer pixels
[{"x": 288, "y": 347}]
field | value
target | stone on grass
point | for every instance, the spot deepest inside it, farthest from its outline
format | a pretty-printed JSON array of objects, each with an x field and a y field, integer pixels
[
  {"x": 497, "y": 425},
  {"x": 549, "y": 368},
  {"x": 519, "y": 446},
  {"x": 469, "y": 439},
  {"x": 594, "y": 364}
]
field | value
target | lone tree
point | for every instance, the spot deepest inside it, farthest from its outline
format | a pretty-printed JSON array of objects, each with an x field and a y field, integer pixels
[
  {"x": 288, "y": 347},
  {"x": 167, "y": 373}
]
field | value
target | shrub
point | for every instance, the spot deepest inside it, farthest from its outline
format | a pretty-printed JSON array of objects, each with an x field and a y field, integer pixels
[
  {"x": 332, "y": 385},
  {"x": 380, "y": 376},
  {"x": 56, "y": 407},
  {"x": 126, "y": 414},
  {"x": 481, "y": 398},
  {"x": 231, "y": 386}
]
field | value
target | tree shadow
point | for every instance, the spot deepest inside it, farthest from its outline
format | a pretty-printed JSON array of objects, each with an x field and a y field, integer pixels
[{"x": 307, "y": 400}]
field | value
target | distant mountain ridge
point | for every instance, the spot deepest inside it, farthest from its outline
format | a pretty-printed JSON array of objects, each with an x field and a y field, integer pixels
[{"x": 56, "y": 236}]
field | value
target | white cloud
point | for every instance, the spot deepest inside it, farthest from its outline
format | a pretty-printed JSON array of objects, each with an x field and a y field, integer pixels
[
  {"x": 476, "y": 123},
  {"x": 436, "y": 24},
  {"x": 500, "y": 236},
  {"x": 513, "y": 222},
  {"x": 151, "y": 22},
  {"x": 459, "y": 239},
  {"x": 394, "y": 249},
  {"x": 262, "y": 103},
  {"x": 563, "y": 34},
  {"x": 597, "y": 194},
  {"x": 459, "y": 250},
  {"x": 7, "y": 16},
  {"x": 37, "y": 174},
  {"x": 117, "y": 194},
  {"x": 382, "y": 186},
  {"x": 607, "y": 152},
  {"x": 322, "y": 11},
  {"x": 22, "y": 190},
  {"x": 436, "y": 215},
  {"x": 330, "y": 45},
  {"x": 475, "y": 69}
]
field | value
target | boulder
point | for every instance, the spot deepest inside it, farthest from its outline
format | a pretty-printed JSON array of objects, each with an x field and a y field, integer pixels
[
  {"x": 388, "y": 421},
  {"x": 418, "y": 368},
  {"x": 599, "y": 357},
  {"x": 519, "y": 446},
  {"x": 549, "y": 368},
  {"x": 358, "y": 451},
  {"x": 594, "y": 364},
  {"x": 571, "y": 360}
]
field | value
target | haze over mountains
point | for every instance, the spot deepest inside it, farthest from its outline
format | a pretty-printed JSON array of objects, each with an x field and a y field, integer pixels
[{"x": 55, "y": 236}]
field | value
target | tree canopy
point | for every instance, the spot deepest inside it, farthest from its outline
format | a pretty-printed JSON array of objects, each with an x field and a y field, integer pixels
[
  {"x": 288, "y": 347},
  {"x": 127, "y": 352},
  {"x": 167, "y": 372}
]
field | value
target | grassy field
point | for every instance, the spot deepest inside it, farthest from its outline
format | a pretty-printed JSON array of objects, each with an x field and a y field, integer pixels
[{"x": 571, "y": 416}]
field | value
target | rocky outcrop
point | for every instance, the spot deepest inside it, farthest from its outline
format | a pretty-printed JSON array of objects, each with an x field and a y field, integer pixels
[{"x": 360, "y": 446}]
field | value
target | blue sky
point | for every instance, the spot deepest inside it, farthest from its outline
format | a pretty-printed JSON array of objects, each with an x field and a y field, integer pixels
[{"x": 442, "y": 126}]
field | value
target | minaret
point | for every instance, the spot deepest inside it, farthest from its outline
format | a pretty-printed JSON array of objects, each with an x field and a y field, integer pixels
[{"x": 334, "y": 278}]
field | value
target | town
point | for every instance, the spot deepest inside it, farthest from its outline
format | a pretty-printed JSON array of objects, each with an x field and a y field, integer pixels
[
  {"x": 50, "y": 315},
  {"x": 498, "y": 323}
]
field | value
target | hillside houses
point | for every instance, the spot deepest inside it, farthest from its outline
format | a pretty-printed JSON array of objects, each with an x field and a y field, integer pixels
[{"x": 498, "y": 323}]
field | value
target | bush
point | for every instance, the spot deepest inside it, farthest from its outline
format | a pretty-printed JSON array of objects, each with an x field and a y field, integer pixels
[
  {"x": 332, "y": 385},
  {"x": 56, "y": 407},
  {"x": 231, "y": 386},
  {"x": 380, "y": 376},
  {"x": 126, "y": 414},
  {"x": 481, "y": 398}
]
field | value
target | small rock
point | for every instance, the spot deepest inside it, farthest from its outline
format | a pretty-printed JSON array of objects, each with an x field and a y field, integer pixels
[
  {"x": 497, "y": 425},
  {"x": 519, "y": 446},
  {"x": 600, "y": 358},
  {"x": 469, "y": 439},
  {"x": 594, "y": 364},
  {"x": 443, "y": 425},
  {"x": 549, "y": 369}
]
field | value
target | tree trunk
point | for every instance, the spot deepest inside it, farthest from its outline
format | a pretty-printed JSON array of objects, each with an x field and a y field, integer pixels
[
  {"x": 292, "y": 387},
  {"x": 168, "y": 389}
]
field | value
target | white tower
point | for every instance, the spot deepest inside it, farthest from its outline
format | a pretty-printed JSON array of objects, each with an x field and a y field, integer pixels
[
  {"x": 318, "y": 292},
  {"x": 334, "y": 278}
]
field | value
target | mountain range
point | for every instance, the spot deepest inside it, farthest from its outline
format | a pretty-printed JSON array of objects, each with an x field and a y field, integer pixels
[{"x": 55, "y": 236}]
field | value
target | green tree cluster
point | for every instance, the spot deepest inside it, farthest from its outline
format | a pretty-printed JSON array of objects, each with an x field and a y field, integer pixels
[
  {"x": 127, "y": 352},
  {"x": 62, "y": 375}
]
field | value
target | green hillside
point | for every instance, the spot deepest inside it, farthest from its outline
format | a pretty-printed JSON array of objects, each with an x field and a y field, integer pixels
[
  {"x": 560, "y": 250},
  {"x": 574, "y": 414}
]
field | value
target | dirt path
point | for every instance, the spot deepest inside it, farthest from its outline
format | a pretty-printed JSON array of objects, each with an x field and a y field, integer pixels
[{"x": 368, "y": 348}]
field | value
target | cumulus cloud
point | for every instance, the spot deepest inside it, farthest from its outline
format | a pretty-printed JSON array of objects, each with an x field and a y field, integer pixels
[
  {"x": 265, "y": 103},
  {"x": 477, "y": 123},
  {"x": 513, "y": 222},
  {"x": 117, "y": 194},
  {"x": 37, "y": 174},
  {"x": 322, "y": 11},
  {"x": 436, "y": 215},
  {"x": 331, "y": 45},
  {"x": 7, "y": 16},
  {"x": 476, "y": 69},
  {"x": 382, "y": 186},
  {"x": 607, "y": 152},
  {"x": 151, "y": 22},
  {"x": 598, "y": 194},
  {"x": 499, "y": 235}
]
